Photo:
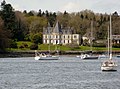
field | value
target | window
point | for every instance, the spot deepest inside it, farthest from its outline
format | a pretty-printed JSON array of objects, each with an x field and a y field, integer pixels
[
  {"x": 60, "y": 36},
  {"x": 75, "y": 37},
  {"x": 56, "y": 41}
]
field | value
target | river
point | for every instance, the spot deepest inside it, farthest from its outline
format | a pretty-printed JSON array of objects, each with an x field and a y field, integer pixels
[{"x": 67, "y": 73}]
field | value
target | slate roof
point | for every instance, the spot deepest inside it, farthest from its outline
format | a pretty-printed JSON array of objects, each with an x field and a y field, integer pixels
[{"x": 57, "y": 29}]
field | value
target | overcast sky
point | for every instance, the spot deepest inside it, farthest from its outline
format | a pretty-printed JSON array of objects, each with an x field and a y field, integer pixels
[{"x": 98, "y": 6}]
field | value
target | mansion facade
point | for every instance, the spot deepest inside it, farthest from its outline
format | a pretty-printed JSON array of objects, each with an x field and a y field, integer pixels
[{"x": 59, "y": 35}]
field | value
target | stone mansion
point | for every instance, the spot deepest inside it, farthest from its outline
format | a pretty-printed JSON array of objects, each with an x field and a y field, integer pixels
[{"x": 59, "y": 35}]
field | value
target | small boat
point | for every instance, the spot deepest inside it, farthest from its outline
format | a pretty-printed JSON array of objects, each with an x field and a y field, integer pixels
[
  {"x": 103, "y": 56},
  {"x": 118, "y": 56},
  {"x": 78, "y": 56},
  {"x": 109, "y": 64},
  {"x": 87, "y": 56},
  {"x": 43, "y": 56}
]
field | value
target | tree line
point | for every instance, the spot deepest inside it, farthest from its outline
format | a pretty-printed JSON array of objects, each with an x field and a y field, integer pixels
[{"x": 28, "y": 26}]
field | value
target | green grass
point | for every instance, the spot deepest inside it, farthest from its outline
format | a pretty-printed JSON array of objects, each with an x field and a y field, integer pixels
[
  {"x": 62, "y": 48},
  {"x": 53, "y": 47},
  {"x": 22, "y": 42}
]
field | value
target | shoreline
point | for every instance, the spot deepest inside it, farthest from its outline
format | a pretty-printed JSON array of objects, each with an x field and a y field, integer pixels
[{"x": 32, "y": 53}]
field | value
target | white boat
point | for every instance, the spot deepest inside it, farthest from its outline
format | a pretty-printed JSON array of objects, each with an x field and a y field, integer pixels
[
  {"x": 103, "y": 56},
  {"x": 109, "y": 64},
  {"x": 118, "y": 56},
  {"x": 43, "y": 56},
  {"x": 87, "y": 56}
]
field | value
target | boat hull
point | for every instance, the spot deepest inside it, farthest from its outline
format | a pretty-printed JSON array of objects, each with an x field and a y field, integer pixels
[
  {"x": 90, "y": 58},
  {"x": 118, "y": 56},
  {"x": 47, "y": 58},
  {"x": 109, "y": 68}
]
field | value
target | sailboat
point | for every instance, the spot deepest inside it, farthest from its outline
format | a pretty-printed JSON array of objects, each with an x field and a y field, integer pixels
[
  {"x": 44, "y": 56},
  {"x": 90, "y": 56},
  {"x": 109, "y": 65}
]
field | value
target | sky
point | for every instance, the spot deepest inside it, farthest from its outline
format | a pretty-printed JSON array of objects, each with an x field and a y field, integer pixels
[{"x": 97, "y": 6}]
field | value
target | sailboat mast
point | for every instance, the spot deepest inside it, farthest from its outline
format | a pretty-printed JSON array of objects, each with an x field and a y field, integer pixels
[
  {"x": 110, "y": 38},
  {"x": 91, "y": 36},
  {"x": 49, "y": 42},
  {"x": 49, "y": 37},
  {"x": 108, "y": 41}
]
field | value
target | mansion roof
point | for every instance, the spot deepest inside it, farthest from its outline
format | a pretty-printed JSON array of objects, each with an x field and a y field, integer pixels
[
  {"x": 116, "y": 37},
  {"x": 57, "y": 29}
]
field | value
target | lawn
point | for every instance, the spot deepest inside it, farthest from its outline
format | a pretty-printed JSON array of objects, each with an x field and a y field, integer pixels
[{"x": 58, "y": 47}]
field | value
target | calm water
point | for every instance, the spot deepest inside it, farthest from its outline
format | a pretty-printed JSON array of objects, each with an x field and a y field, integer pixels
[{"x": 66, "y": 73}]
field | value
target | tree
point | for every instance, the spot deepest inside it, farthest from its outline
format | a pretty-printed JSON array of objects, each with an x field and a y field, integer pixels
[
  {"x": 102, "y": 32},
  {"x": 25, "y": 12},
  {"x": 82, "y": 16},
  {"x": 21, "y": 26},
  {"x": 37, "y": 38},
  {"x": 39, "y": 13},
  {"x": 4, "y": 37},
  {"x": 30, "y": 13},
  {"x": 115, "y": 14},
  {"x": 52, "y": 18},
  {"x": 3, "y": 4},
  {"x": 47, "y": 14},
  {"x": 8, "y": 16},
  {"x": 36, "y": 24}
]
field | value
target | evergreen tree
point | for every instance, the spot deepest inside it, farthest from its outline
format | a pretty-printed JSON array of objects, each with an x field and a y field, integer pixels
[
  {"x": 39, "y": 13},
  {"x": 25, "y": 12},
  {"x": 4, "y": 37},
  {"x": 10, "y": 21},
  {"x": 30, "y": 13},
  {"x": 47, "y": 13},
  {"x": 82, "y": 17},
  {"x": 8, "y": 16}
]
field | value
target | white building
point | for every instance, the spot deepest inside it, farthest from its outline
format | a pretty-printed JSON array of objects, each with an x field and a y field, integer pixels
[
  {"x": 58, "y": 35},
  {"x": 116, "y": 39},
  {"x": 88, "y": 37}
]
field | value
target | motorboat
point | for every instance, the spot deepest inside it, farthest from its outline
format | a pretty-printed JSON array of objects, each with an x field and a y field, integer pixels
[
  {"x": 87, "y": 56},
  {"x": 43, "y": 56}
]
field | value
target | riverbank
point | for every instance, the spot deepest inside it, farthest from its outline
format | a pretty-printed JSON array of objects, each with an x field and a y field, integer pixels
[{"x": 32, "y": 53}]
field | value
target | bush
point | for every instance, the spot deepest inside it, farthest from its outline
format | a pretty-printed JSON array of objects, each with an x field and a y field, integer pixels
[
  {"x": 36, "y": 39},
  {"x": 99, "y": 45},
  {"x": 25, "y": 45},
  {"x": 73, "y": 46},
  {"x": 13, "y": 44},
  {"x": 21, "y": 47},
  {"x": 116, "y": 45},
  {"x": 34, "y": 46}
]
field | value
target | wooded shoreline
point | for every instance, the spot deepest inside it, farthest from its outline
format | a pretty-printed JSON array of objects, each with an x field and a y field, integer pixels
[{"x": 32, "y": 54}]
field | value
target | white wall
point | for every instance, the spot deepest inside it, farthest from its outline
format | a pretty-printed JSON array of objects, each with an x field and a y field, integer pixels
[{"x": 64, "y": 38}]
